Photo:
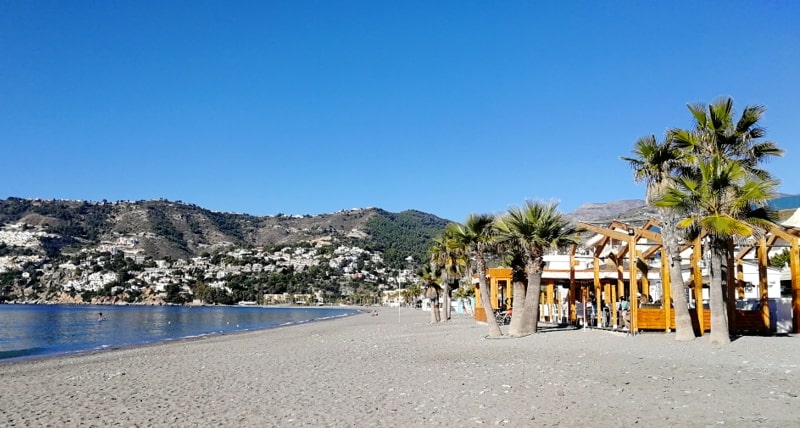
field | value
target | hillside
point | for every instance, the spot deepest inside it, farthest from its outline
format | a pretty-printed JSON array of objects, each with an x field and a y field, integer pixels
[
  {"x": 161, "y": 251},
  {"x": 176, "y": 230},
  {"x": 594, "y": 211}
]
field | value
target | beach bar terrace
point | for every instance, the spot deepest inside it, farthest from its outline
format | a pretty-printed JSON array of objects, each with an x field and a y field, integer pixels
[{"x": 583, "y": 287}]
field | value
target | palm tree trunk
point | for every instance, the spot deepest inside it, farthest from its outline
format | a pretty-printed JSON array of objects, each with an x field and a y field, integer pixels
[
  {"x": 486, "y": 299},
  {"x": 720, "y": 331},
  {"x": 519, "y": 309},
  {"x": 446, "y": 299},
  {"x": 683, "y": 321},
  {"x": 531, "y": 313},
  {"x": 435, "y": 315}
]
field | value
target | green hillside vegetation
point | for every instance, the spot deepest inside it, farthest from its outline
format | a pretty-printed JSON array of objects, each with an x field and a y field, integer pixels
[{"x": 408, "y": 233}]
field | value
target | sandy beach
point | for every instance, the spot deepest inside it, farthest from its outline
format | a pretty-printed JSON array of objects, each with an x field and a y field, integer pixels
[{"x": 396, "y": 370}]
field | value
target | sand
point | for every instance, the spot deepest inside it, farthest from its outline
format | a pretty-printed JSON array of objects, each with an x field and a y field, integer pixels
[{"x": 399, "y": 371}]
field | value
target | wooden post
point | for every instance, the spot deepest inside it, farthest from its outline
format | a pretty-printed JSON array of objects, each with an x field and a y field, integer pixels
[
  {"x": 620, "y": 282},
  {"x": 697, "y": 282},
  {"x": 763, "y": 285},
  {"x": 666, "y": 291},
  {"x": 492, "y": 284},
  {"x": 597, "y": 286},
  {"x": 794, "y": 262},
  {"x": 731, "y": 289},
  {"x": 739, "y": 278},
  {"x": 634, "y": 285},
  {"x": 614, "y": 296}
]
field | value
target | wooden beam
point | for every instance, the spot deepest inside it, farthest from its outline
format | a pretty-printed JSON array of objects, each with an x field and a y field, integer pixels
[
  {"x": 605, "y": 231},
  {"x": 650, "y": 251},
  {"x": 743, "y": 252}
]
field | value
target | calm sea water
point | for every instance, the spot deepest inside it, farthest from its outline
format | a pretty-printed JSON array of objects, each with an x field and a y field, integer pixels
[{"x": 35, "y": 331}]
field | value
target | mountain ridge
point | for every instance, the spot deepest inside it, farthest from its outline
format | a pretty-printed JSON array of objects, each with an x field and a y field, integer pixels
[{"x": 158, "y": 251}]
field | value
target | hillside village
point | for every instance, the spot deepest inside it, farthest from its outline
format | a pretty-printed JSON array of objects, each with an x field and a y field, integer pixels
[
  {"x": 340, "y": 265},
  {"x": 90, "y": 271}
]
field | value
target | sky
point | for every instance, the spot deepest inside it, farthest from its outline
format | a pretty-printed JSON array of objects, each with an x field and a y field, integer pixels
[{"x": 311, "y": 107}]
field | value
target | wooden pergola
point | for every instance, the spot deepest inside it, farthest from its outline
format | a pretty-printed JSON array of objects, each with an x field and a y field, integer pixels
[
  {"x": 637, "y": 254},
  {"x": 620, "y": 266}
]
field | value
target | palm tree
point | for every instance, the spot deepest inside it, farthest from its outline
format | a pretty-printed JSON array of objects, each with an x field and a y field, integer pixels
[
  {"x": 448, "y": 257},
  {"x": 411, "y": 293},
  {"x": 725, "y": 191},
  {"x": 432, "y": 292},
  {"x": 533, "y": 229},
  {"x": 476, "y": 235},
  {"x": 655, "y": 163},
  {"x": 715, "y": 134},
  {"x": 724, "y": 201}
]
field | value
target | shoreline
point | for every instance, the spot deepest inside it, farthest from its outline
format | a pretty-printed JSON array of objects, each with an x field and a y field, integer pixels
[
  {"x": 395, "y": 369},
  {"x": 23, "y": 357}
]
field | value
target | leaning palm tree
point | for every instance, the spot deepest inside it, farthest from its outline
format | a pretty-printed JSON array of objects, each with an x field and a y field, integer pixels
[
  {"x": 657, "y": 163},
  {"x": 726, "y": 202},
  {"x": 535, "y": 228},
  {"x": 476, "y": 235}
]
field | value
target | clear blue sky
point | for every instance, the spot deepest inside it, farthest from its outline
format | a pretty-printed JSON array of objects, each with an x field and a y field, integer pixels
[{"x": 308, "y": 107}]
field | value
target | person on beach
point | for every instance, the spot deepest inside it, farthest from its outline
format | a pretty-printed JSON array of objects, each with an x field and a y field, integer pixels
[{"x": 625, "y": 308}]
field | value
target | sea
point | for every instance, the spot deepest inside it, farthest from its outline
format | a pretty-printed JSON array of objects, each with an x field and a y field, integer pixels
[{"x": 39, "y": 331}]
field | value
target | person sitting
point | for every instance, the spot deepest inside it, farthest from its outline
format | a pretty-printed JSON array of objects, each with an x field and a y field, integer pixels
[{"x": 625, "y": 309}]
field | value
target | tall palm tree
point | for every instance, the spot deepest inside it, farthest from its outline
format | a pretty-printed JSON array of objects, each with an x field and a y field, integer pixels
[
  {"x": 476, "y": 235},
  {"x": 437, "y": 253},
  {"x": 725, "y": 192},
  {"x": 535, "y": 228},
  {"x": 656, "y": 163},
  {"x": 726, "y": 202},
  {"x": 449, "y": 256}
]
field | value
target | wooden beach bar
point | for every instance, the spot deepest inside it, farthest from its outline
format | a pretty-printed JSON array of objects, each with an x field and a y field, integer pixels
[{"x": 624, "y": 261}]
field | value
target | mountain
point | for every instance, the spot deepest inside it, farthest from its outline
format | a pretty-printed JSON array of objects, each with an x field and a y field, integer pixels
[
  {"x": 173, "y": 229},
  {"x": 635, "y": 211},
  {"x": 597, "y": 212},
  {"x": 159, "y": 251}
]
